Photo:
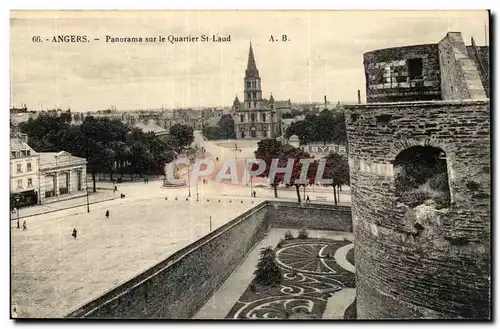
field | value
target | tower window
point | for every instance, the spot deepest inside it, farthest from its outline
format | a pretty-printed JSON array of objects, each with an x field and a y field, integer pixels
[
  {"x": 421, "y": 176},
  {"x": 415, "y": 68},
  {"x": 253, "y": 117},
  {"x": 254, "y": 95},
  {"x": 255, "y": 104},
  {"x": 248, "y": 84},
  {"x": 249, "y": 95},
  {"x": 241, "y": 118},
  {"x": 263, "y": 117}
]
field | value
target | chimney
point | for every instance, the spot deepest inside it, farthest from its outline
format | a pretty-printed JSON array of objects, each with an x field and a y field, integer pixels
[
  {"x": 325, "y": 102},
  {"x": 359, "y": 96}
]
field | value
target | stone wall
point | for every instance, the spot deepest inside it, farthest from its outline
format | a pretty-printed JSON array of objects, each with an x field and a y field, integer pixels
[
  {"x": 387, "y": 74},
  {"x": 178, "y": 286},
  {"x": 444, "y": 270},
  {"x": 461, "y": 78},
  {"x": 294, "y": 215}
]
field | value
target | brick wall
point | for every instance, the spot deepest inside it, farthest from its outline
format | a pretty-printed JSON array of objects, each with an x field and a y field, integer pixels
[
  {"x": 444, "y": 271},
  {"x": 314, "y": 217},
  {"x": 386, "y": 72},
  {"x": 178, "y": 286}
]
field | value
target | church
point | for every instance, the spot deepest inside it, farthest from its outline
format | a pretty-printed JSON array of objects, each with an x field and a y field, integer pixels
[{"x": 256, "y": 117}]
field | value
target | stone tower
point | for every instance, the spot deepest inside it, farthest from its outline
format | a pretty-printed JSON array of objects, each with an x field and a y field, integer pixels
[
  {"x": 253, "y": 91},
  {"x": 420, "y": 184}
]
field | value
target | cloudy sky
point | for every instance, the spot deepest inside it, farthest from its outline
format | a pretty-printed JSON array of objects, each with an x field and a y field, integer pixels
[{"x": 323, "y": 57}]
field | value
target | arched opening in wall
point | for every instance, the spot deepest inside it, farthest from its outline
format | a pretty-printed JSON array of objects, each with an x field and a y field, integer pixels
[{"x": 421, "y": 177}]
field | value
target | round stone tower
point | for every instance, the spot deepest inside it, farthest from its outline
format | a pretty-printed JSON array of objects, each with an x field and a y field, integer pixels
[{"x": 420, "y": 182}]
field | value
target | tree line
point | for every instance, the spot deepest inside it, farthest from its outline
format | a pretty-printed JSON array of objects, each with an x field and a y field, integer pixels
[
  {"x": 109, "y": 145},
  {"x": 223, "y": 130},
  {"x": 336, "y": 167},
  {"x": 325, "y": 127}
]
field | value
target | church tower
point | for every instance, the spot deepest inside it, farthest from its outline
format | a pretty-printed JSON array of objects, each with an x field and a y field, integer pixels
[{"x": 253, "y": 91}]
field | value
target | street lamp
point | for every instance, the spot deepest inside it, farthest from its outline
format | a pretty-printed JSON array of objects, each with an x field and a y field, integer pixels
[
  {"x": 17, "y": 210},
  {"x": 87, "y": 188}
]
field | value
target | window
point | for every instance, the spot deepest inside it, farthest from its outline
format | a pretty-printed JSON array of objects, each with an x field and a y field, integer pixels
[
  {"x": 13, "y": 154},
  {"x": 415, "y": 68},
  {"x": 242, "y": 119},
  {"x": 254, "y": 94},
  {"x": 23, "y": 153},
  {"x": 249, "y": 94},
  {"x": 19, "y": 183},
  {"x": 28, "y": 152},
  {"x": 263, "y": 117},
  {"x": 28, "y": 166},
  {"x": 264, "y": 133},
  {"x": 19, "y": 168},
  {"x": 30, "y": 182},
  {"x": 421, "y": 175},
  {"x": 255, "y": 104},
  {"x": 253, "y": 117},
  {"x": 249, "y": 105},
  {"x": 248, "y": 84}
]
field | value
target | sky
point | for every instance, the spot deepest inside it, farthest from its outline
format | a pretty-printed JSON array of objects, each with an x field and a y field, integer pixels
[{"x": 324, "y": 55}]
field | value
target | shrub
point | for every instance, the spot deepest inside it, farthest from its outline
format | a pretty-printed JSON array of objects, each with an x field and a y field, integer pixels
[
  {"x": 303, "y": 234},
  {"x": 439, "y": 182},
  {"x": 280, "y": 244},
  {"x": 267, "y": 272},
  {"x": 473, "y": 186},
  {"x": 288, "y": 235}
]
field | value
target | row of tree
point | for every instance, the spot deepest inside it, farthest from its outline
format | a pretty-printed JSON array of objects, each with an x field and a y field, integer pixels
[
  {"x": 325, "y": 127},
  {"x": 223, "y": 130},
  {"x": 109, "y": 145},
  {"x": 336, "y": 167}
]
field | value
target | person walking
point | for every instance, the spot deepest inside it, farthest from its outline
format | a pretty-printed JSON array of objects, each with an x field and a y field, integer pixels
[
  {"x": 115, "y": 189},
  {"x": 254, "y": 194},
  {"x": 74, "y": 233},
  {"x": 307, "y": 199},
  {"x": 25, "y": 226},
  {"x": 107, "y": 213}
]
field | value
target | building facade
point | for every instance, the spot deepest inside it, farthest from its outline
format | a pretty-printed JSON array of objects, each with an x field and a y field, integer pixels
[
  {"x": 62, "y": 176},
  {"x": 24, "y": 172},
  {"x": 255, "y": 117}
]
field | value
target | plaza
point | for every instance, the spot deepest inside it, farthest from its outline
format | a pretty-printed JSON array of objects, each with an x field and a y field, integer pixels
[{"x": 54, "y": 273}]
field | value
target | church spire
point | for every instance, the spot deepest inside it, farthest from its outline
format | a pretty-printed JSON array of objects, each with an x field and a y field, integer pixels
[{"x": 251, "y": 71}]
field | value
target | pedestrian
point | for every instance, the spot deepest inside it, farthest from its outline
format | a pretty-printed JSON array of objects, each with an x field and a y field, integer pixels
[
  {"x": 307, "y": 199},
  {"x": 14, "y": 313},
  {"x": 25, "y": 226},
  {"x": 74, "y": 233},
  {"x": 144, "y": 180},
  {"x": 254, "y": 194},
  {"x": 116, "y": 189},
  {"x": 107, "y": 213}
]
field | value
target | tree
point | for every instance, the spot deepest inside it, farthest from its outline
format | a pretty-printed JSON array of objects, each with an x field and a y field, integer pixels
[
  {"x": 226, "y": 126},
  {"x": 211, "y": 133},
  {"x": 296, "y": 154},
  {"x": 182, "y": 136},
  {"x": 267, "y": 272},
  {"x": 267, "y": 150},
  {"x": 325, "y": 127},
  {"x": 337, "y": 169}
]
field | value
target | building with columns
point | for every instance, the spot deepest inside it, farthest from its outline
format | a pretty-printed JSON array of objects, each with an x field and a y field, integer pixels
[
  {"x": 255, "y": 117},
  {"x": 62, "y": 176}
]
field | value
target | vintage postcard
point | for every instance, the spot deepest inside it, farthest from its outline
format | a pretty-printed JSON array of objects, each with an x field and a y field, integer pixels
[{"x": 278, "y": 165}]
